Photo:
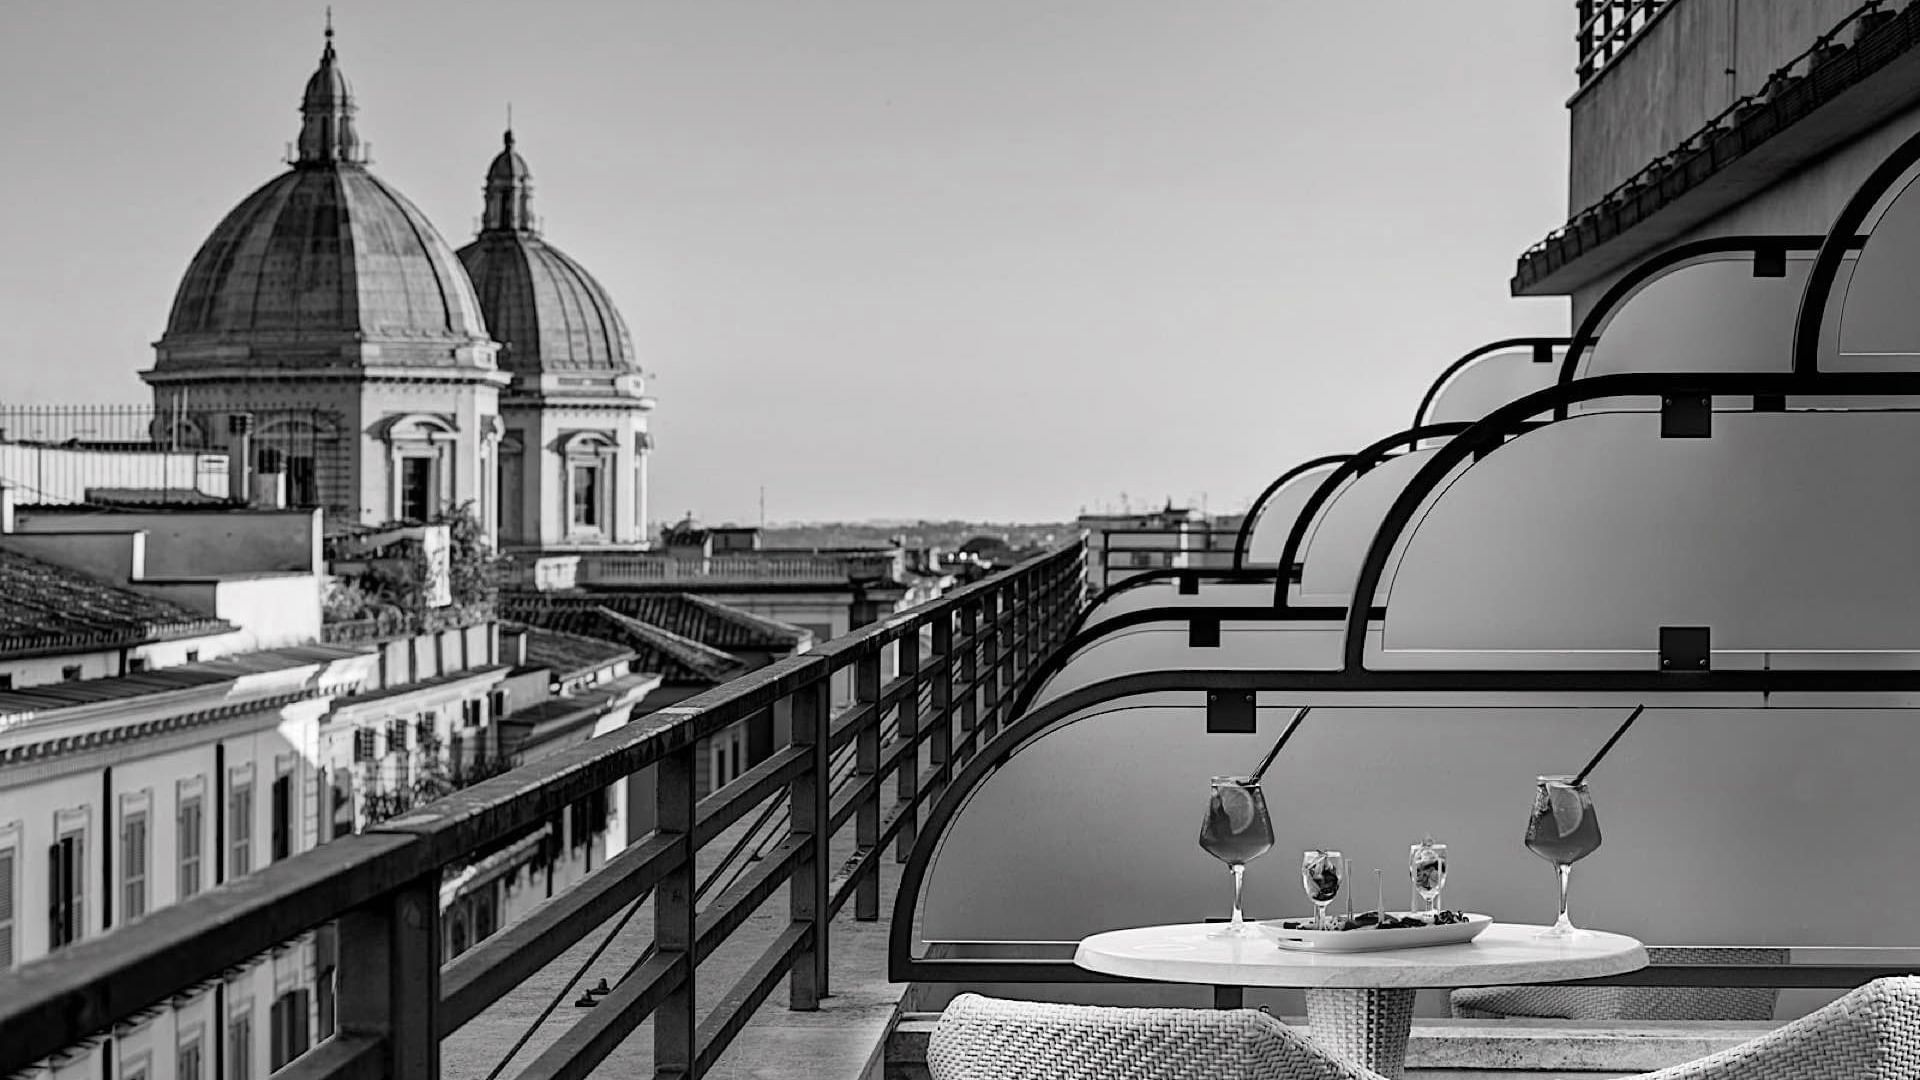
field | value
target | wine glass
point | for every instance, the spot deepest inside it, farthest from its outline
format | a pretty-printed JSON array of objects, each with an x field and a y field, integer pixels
[
  {"x": 1427, "y": 864},
  {"x": 1562, "y": 830},
  {"x": 1236, "y": 831},
  {"x": 1320, "y": 876}
]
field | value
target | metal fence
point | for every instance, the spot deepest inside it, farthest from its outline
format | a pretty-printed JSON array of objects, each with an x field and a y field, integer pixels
[
  {"x": 132, "y": 455},
  {"x": 1606, "y": 26},
  {"x": 381, "y": 887}
]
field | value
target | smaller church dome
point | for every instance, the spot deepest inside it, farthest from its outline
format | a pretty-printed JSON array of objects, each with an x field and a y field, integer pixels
[{"x": 545, "y": 310}]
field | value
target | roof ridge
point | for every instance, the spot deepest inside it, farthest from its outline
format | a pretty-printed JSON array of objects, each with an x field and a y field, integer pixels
[
  {"x": 679, "y": 646},
  {"x": 743, "y": 617}
]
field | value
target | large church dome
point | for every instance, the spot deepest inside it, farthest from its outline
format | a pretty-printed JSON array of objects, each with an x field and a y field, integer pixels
[
  {"x": 548, "y": 314},
  {"x": 325, "y": 265}
]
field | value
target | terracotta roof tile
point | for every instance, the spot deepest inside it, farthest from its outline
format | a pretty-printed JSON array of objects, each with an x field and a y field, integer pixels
[{"x": 51, "y": 608}]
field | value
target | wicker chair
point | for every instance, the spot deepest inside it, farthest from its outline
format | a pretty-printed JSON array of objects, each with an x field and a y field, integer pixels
[
  {"x": 981, "y": 1038},
  {"x": 1873, "y": 1033},
  {"x": 1633, "y": 1002}
]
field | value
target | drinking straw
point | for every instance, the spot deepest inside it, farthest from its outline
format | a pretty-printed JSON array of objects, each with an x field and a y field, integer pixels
[
  {"x": 1292, "y": 726},
  {"x": 1631, "y": 717}
]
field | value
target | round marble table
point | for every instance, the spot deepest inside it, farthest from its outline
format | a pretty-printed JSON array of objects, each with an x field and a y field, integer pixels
[{"x": 1359, "y": 1005}]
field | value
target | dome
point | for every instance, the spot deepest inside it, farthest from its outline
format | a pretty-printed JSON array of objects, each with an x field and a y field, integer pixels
[
  {"x": 547, "y": 312},
  {"x": 326, "y": 255}
]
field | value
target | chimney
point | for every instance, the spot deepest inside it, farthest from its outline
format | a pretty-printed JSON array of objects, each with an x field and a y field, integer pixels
[
  {"x": 513, "y": 646},
  {"x": 239, "y": 457}
]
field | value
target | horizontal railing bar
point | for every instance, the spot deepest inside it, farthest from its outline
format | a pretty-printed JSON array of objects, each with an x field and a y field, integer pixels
[
  {"x": 483, "y": 974},
  {"x": 581, "y": 1048},
  {"x": 471, "y": 817},
  {"x": 849, "y": 798},
  {"x": 342, "y": 1057},
  {"x": 846, "y": 881},
  {"x": 898, "y": 689},
  {"x": 849, "y": 723},
  {"x": 735, "y": 906},
  {"x": 734, "y": 1011},
  {"x": 69, "y": 995},
  {"x": 734, "y": 801}
]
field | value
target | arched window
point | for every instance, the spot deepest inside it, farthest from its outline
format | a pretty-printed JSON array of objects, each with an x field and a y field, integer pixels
[{"x": 587, "y": 458}]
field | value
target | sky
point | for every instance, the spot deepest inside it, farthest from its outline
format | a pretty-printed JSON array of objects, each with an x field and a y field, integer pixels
[{"x": 985, "y": 259}]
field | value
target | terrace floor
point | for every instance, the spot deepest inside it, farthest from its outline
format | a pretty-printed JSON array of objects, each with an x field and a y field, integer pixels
[{"x": 841, "y": 1041}]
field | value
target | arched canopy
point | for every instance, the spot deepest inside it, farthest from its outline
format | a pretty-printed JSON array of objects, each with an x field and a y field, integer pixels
[
  {"x": 1489, "y": 377},
  {"x": 1263, "y": 532}
]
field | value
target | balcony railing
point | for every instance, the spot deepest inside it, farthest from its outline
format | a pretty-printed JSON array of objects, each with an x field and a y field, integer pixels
[
  {"x": 834, "y": 569},
  {"x": 1607, "y": 26},
  {"x": 116, "y": 454},
  {"x": 960, "y": 661},
  {"x": 1123, "y": 553}
]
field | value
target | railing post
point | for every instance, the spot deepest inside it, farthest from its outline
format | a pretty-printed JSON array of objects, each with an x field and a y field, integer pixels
[
  {"x": 1026, "y": 624},
  {"x": 969, "y": 673},
  {"x": 391, "y": 990},
  {"x": 808, "y": 794},
  {"x": 866, "y": 766},
  {"x": 940, "y": 743},
  {"x": 907, "y": 778},
  {"x": 674, "y": 1021},
  {"x": 1010, "y": 615},
  {"x": 992, "y": 618}
]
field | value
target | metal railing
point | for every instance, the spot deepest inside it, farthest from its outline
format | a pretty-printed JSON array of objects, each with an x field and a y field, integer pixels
[
  {"x": 1123, "y": 553},
  {"x": 780, "y": 567},
  {"x": 1606, "y": 28},
  {"x": 396, "y": 1001},
  {"x": 116, "y": 454}
]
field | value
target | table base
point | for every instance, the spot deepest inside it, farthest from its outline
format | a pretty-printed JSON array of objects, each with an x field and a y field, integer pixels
[{"x": 1368, "y": 1027}]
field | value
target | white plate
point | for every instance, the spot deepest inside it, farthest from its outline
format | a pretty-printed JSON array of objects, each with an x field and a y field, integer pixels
[{"x": 1373, "y": 940}]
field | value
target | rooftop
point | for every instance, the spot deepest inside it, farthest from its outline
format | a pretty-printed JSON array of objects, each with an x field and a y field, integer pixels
[
  {"x": 568, "y": 654},
  {"x": 53, "y": 609}
]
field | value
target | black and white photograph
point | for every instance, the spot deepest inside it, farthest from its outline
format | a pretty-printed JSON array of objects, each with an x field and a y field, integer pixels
[{"x": 960, "y": 540}]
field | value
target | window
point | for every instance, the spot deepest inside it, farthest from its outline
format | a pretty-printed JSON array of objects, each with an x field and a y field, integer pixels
[
  {"x": 187, "y": 1061},
  {"x": 193, "y": 656},
  {"x": 67, "y": 878},
  {"x": 363, "y": 744},
  {"x": 472, "y": 713},
  {"x": 498, "y": 701},
  {"x": 287, "y": 1038},
  {"x": 423, "y": 732},
  {"x": 240, "y": 830},
  {"x": 416, "y": 488},
  {"x": 586, "y": 496},
  {"x": 282, "y": 817},
  {"x": 6, "y": 681},
  {"x": 189, "y": 828},
  {"x": 396, "y": 736},
  {"x": 136, "y": 664},
  {"x": 70, "y": 672},
  {"x": 8, "y": 879},
  {"x": 133, "y": 864},
  {"x": 240, "y": 1044}
]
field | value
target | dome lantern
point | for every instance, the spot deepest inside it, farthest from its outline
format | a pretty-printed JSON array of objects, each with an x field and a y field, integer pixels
[{"x": 326, "y": 114}]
